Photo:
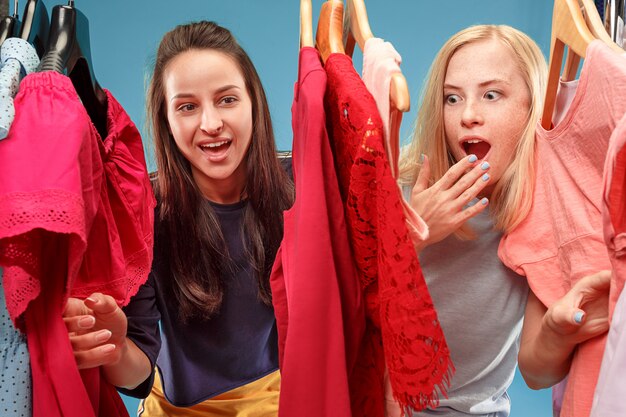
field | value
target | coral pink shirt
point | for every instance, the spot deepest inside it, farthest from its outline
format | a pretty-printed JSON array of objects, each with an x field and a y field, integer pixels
[
  {"x": 76, "y": 216},
  {"x": 561, "y": 240}
]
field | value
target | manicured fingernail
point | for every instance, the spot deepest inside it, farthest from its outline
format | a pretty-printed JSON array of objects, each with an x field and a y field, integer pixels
[
  {"x": 93, "y": 300},
  {"x": 484, "y": 201},
  {"x": 103, "y": 336},
  {"x": 107, "y": 348},
  {"x": 421, "y": 158},
  {"x": 578, "y": 317},
  {"x": 472, "y": 158},
  {"x": 486, "y": 177},
  {"x": 86, "y": 322},
  {"x": 485, "y": 165}
]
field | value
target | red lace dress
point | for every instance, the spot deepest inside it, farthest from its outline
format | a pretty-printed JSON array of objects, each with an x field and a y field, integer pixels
[
  {"x": 315, "y": 287},
  {"x": 76, "y": 216},
  {"x": 402, "y": 328}
]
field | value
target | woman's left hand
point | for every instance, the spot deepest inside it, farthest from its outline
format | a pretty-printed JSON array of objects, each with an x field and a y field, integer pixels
[{"x": 583, "y": 312}]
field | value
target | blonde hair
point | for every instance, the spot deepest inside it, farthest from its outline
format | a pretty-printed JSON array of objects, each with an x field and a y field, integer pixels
[{"x": 512, "y": 197}]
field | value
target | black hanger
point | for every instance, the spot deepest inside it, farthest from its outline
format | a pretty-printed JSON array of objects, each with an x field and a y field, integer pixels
[
  {"x": 35, "y": 25},
  {"x": 8, "y": 25},
  {"x": 68, "y": 52}
]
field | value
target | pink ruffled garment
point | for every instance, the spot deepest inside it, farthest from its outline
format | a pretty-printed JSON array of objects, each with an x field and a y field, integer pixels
[
  {"x": 380, "y": 62},
  {"x": 611, "y": 388},
  {"x": 561, "y": 240},
  {"x": 76, "y": 216}
]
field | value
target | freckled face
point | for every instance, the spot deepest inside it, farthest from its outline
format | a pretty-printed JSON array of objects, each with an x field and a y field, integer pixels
[{"x": 486, "y": 104}]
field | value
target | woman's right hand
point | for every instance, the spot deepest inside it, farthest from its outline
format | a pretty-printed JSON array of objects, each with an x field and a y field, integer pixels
[
  {"x": 441, "y": 205},
  {"x": 97, "y": 330}
]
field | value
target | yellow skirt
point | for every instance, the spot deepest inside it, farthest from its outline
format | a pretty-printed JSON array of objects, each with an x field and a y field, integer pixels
[{"x": 256, "y": 399}]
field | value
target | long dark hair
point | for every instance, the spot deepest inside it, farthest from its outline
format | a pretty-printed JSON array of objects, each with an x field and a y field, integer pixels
[{"x": 188, "y": 232}]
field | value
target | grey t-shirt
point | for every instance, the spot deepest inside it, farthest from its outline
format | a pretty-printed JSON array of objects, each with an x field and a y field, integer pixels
[{"x": 480, "y": 304}]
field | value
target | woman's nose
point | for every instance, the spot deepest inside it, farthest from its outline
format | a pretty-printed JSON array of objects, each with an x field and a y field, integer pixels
[
  {"x": 472, "y": 115},
  {"x": 212, "y": 122}
]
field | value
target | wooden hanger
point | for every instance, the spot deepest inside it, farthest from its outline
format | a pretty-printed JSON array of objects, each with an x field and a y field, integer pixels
[
  {"x": 329, "y": 35},
  {"x": 306, "y": 24},
  {"x": 360, "y": 32},
  {"x": 596, "y": 27},
  {"x": 568, "y": 28}
]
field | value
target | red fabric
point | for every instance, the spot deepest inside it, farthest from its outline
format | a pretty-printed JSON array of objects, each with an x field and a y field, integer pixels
[
  {"x": 76, "y": 216},
  {"x": 315, "y": 288},
  {"x": 403, "y": 329}
]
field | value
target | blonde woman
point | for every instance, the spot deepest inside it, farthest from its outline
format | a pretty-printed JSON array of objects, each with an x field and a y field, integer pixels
[{"x": 469, "y": 172}]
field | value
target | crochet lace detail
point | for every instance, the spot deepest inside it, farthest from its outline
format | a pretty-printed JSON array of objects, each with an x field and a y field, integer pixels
[{"x": 33, "y": 222}]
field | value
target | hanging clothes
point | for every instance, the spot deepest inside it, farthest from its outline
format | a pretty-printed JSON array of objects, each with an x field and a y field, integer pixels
[
  {"x": 564, "y": 97},
  {"x": 15, "y": 380},
  {"x": 402, "y": 328},
  {"x": 380, "y": 62},
  {"x": 315, "y": 288},
  {"x": 76, "y": 217},
  {"x": 614, "y": 210},
  {"x": 18, "y": 58},
  {"x": 560, "y": 241},
  {"x": 611, "y": 384}
]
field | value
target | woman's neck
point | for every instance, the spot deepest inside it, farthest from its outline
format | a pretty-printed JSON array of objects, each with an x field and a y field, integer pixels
[{"x": 222, "y": 191}]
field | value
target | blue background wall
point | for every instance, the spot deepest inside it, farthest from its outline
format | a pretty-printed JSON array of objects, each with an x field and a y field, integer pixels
[{"x": 125, "y": 34}]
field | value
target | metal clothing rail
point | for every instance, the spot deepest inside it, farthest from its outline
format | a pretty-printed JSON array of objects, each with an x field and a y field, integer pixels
[{"x": 614, "y": 18}]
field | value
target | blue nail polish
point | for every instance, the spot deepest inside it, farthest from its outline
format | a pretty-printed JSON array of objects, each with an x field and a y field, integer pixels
[
  {"x": 486, "y": 177},
  {"x": 485, "y": 165},
  {"x": 473, "y": 158},
  {"x": 484, "y": 201},
  {"x": 578, "y": 317},
  {"x": 421, "y": 158}
]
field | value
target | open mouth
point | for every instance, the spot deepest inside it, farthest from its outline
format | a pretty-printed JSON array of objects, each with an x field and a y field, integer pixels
[
  {"x": 216, "y": 148},
  {"x": 478, "y": 147}
]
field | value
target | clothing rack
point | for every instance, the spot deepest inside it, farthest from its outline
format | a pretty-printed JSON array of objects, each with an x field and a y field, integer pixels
[{"x": 614, "y": 18}]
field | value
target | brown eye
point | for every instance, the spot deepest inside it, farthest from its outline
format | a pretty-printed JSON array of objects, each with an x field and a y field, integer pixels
[
  {"x": 229, "y": 100},
  {"x": 186, "y": 108}
]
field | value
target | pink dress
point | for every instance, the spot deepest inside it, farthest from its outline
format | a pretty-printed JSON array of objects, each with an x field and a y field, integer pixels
[
  {"x": 316, "y": 293},
  {"x": 76, "y": 216},
  {"x": 561, "y": 240}
]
